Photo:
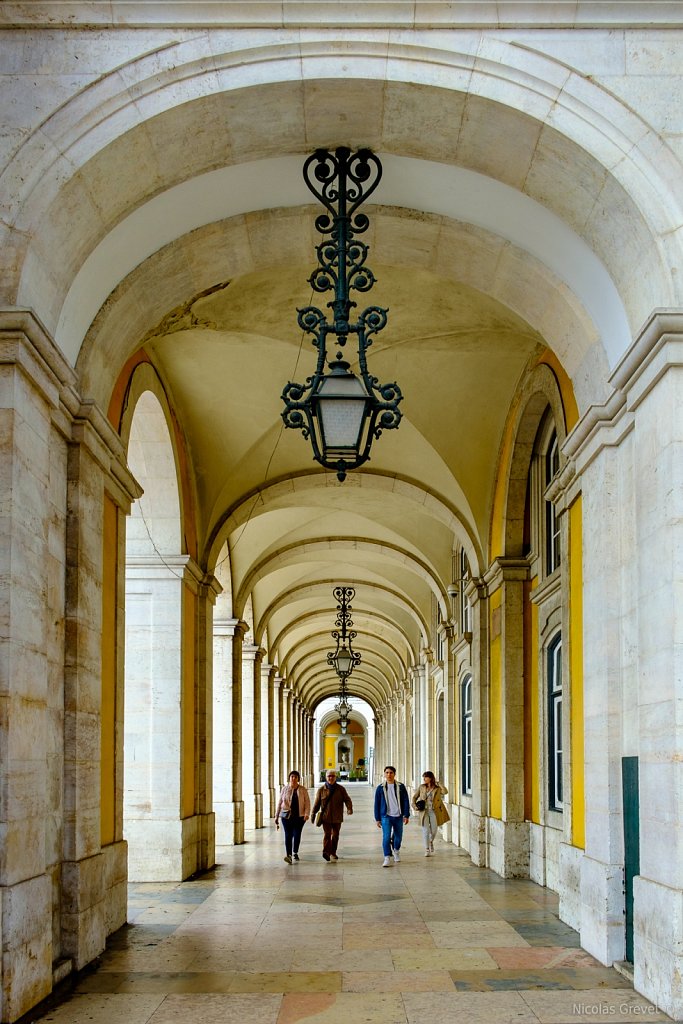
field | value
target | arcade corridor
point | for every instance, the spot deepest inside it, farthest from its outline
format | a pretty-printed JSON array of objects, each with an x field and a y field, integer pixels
[
  {"x": 341, "y": 425},
  {"x": 258, "y": 942}
]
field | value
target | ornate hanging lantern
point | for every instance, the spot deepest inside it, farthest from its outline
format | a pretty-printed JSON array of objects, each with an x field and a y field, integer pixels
[
  {"x": 340, "y": 411},
  {"x": 344, "y": 659}
]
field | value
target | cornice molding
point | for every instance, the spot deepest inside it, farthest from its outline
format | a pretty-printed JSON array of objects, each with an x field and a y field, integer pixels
[
  {"x": 657, "y": 349},
  {"x": 301, "y": 14}
]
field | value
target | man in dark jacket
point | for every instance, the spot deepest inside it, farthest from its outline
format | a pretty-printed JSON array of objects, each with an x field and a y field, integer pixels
[
  {"x": 392, "y": 811},
  {"x": 330, "y": 800}
]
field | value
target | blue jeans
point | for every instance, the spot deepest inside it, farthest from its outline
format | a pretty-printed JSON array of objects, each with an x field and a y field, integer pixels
[
  {"x": 392, "y": 833},
  {"x": 292, "y": 828}
]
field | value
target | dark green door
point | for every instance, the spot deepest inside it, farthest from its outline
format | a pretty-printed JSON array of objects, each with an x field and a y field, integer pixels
[{"x": 629, "y": 786}]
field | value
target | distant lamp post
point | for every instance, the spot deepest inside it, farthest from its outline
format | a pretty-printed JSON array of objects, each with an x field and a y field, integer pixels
[{"x": 340, "y": 411}]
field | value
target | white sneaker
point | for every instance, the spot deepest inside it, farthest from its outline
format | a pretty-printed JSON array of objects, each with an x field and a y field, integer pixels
[
  {"x": 396, "y": 855},
  {"x": 428, "y": 853},
  {"x": 387, "y": 862}
]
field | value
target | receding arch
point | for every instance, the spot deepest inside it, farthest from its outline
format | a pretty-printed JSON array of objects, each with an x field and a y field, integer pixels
[
  {"x": 416, "y": 565},
  {"x": 314, "y": 589},
  {"x": 154, "y": 796},
  {"x": 558, "y": 99}
]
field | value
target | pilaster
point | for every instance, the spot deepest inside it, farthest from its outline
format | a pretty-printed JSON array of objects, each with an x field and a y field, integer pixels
[
  {"x": 227, "y": 727},
  {"x": 267, "y": 738},
  {"x": 32, "y": 563},
  {"x": 509, "y": 834}
]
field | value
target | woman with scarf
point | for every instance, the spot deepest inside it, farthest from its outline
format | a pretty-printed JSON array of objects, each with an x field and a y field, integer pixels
[{"x": 293, "y": 810}]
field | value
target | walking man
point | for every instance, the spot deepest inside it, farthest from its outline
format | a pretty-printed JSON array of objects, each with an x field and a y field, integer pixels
[
  {"x": 392, "y": 811},
  {"x": 330, "y": 800}
]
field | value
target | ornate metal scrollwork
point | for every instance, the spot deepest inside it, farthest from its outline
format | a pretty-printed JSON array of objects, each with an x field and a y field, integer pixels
[{"x": 342, "y": 181}]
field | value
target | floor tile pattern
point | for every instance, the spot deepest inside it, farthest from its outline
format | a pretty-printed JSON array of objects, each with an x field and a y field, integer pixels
[{"x": 259, "y": 941}]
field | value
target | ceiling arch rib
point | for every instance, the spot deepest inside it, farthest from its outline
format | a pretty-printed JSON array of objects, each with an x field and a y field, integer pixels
[
  {"x": 308, "y": 661},
  {"x": 586, "y": 115},
  {"x": 305, "y": 487},
  {"x": 313, "y": 591},
  {"x": 310, "y": 653},
  {"x": 307, "y": 621},
  {"x": 293, "y": 554}
]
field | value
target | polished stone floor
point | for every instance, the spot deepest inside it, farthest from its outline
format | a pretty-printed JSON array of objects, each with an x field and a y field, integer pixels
[{"x": 426, "y": 941}]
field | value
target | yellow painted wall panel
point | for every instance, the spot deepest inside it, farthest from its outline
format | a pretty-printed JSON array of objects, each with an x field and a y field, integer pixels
[
  {"x": 110, "y": 528},
  {"x": 534, "y": 713},
  {"x": 496, "y": 705},
  {"x": 576, "y": 673},
  {"x": 189, "y": 753}
]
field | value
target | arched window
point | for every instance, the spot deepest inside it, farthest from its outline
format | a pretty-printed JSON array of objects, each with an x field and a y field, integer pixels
[
  {"x": 553, "y": 552},
  {"x": 555, "y": 724},
  {"x": 466, "y": 734}
]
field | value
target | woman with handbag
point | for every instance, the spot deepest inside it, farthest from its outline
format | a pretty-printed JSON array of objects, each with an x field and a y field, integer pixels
[
  {"x": 329, "y": 803},
  {"x": 293, "y": 810},
  {"x": 428, "y": 802}
]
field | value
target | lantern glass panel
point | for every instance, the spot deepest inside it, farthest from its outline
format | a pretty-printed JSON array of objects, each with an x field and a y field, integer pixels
[
  {"x": 342, "y": 403},
  {"x": 343, "y": 662}
]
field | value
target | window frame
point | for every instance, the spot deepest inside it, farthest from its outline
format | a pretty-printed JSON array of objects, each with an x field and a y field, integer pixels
[
  {"x": 555, "y": 709},
  {"x": 553, "y": 540},
  {"x": 465, "y": 610},
  {"x": 466, "y": 716}
]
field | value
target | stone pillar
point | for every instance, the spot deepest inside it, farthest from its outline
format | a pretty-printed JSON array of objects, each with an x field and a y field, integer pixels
[
  {"x": 509, "y": 834},
  {"x": 161, "y": 800},
  {"x": 628, "y": 457},
  {"x": 656, "y": 396},
  {"x": 294, "y": 734},
  {"x": 251, "y": 735},
  {"x": 380, "y": 744},
  {"x": 209, "y": 590},
  {"x": 423, "y": 716},
  {"x": 93, "y": 879},
  {"x": 410, "y": 775},
  {"x": 282, "y": 730},
  {"x": 227, "y": 729},
  {"x": 286, "y": 732},
  {"x": 267, "y": 787},
  {"x": 277, "y": 734},
  {"x": 32, "y": 560},
  {"x": 476, "y": 828},
  {"x": 310, "y": 780}
]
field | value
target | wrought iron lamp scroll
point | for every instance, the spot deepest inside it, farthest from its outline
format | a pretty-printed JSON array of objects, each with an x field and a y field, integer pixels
[
  {"x": 344, "y": 659},
  {"x": 340, "y": 411}
]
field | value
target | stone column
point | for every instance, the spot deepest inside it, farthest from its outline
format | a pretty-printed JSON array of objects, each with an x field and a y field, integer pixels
[
  {"x": 93, "y": 879},
  {"x": 161, "y": 800},
  {"x": 227, "y": 730},
  {"x": 32, "y": 560},
  {"x": 269, "y": 801},
  {"x": 383, "y": 751},
  {"x": 310, "y": 780},
  {"x": 475, "y": 829},
  {"x": 509, "y": 835},
  {"x": 286, "y": 732},
  {"x": 422, "y": 716},
  {"x": 411, "y": 771},
  {"x": 628, "y": 458},
  {"x": 294, "y": 734},
  {"x": 656, "y": 396},
  {"x": 209, "y": 590},
  {"x": 277, "y": 734},
  {"x": 251, "y": 671}
]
